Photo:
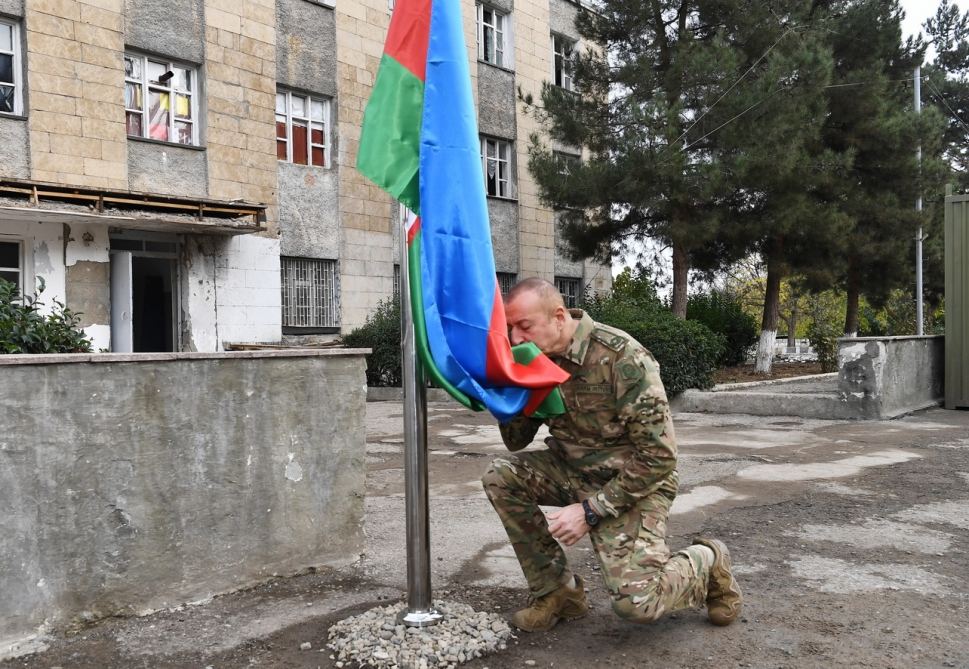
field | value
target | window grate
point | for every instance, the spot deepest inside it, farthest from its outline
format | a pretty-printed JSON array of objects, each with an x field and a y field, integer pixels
[
  {"x": 505, "y": 281},
  {"x": 309, "y": 293},
  {"x": 569, "y": 287}
]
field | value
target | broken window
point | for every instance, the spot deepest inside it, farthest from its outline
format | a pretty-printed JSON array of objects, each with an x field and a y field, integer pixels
[
  {"x": 12, "y": 262},
  {"x": 570, "y": 289},
  {"x": 160, "y": 99},
  {"x": 496, "y": 163},
  {"x": 563, "y": 50},
  {"x": 309, "y": 293},
  {"x": 9, "y": 68},
  {"x": 302, "y": 129},
  {"x": 493, "y": 37}
]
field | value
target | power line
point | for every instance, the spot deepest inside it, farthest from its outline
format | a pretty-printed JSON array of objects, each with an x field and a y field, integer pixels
[
  {"x": 943, "y": 101},
  {"x": 733, "y": 85}
]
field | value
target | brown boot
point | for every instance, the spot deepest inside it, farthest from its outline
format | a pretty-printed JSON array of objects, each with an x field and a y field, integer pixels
[
  {"x": 565, "y": 603},
  {"x": 724, "y": 599}
]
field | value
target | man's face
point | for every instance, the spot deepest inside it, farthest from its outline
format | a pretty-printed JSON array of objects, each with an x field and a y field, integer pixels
[{"x": 529, "y": 320}]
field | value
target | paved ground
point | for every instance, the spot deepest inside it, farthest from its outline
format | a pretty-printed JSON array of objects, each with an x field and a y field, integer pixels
[{"x": 851, "y": 541}]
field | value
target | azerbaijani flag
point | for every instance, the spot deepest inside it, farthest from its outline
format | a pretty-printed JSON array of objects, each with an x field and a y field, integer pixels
[{"x": 420, "y": 144}]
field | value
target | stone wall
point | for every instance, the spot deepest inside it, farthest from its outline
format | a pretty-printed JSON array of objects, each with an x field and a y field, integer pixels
[
  {"x": 884, "y": 377},
  {"x": 74, "y": 83},
  {"x": 131, "y": 483}
]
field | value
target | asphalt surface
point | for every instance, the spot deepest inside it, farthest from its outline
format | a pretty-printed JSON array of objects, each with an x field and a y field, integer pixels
[{"x": 850, "y": 540}]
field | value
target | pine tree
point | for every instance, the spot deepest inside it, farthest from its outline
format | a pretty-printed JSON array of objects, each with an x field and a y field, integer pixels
[
  {"x": 872, "y": 122},
  {"x": 649, "y": 102}
]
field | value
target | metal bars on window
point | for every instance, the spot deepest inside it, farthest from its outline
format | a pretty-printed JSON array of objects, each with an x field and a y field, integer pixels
[
  {"x": 569, "y": 287},
  {"x": 505, "y": 281},
  {"x": 309, "y": 293},
  {"x": 160, "y": 100},
  {"x": 496, "y": 164},
  {"x": 9, "y": 68},
  {"x": 302, "y": 129}
]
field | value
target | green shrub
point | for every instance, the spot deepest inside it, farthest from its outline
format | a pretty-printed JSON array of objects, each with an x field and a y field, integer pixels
[
  {"x": 723, "y": 314},
  {"x": 23, "y": 329},
  {"x": 381, "y": 333},
  {"x": 824, "y": 339},
  {"x": 687, "y": 351}
]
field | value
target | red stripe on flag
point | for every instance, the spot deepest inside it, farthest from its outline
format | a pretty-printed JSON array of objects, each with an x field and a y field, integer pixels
[
  {"x": 535, "y": 399},
  {"x": 410, "y": 31},
  {"x": 500, "y": 366},
  {"x": 413, "y": 230}
]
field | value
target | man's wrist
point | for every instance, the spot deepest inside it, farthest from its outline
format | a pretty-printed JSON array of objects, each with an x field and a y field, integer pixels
[{"x": 592, "y": 518}]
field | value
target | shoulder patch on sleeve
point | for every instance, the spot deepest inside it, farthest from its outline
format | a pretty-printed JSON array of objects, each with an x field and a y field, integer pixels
[{"x": 611, "y": 339}]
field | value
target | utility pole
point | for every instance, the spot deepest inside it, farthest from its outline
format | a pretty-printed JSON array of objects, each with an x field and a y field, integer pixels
[{"x": 918, "y": 207}]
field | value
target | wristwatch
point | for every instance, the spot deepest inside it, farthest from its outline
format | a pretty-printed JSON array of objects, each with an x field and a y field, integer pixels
[{"x": 591, "y": 517}]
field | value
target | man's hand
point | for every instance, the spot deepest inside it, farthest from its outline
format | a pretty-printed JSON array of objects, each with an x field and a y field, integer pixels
[{"x": 568, "y": 524}]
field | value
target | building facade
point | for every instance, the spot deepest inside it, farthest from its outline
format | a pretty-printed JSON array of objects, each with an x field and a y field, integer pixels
[{"x": 182, "y": 173}]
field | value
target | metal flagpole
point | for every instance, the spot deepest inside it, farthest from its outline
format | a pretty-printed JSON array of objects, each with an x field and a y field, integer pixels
[
  {"x": 918, "y": 207},
  {"x": 419, "y": 612}
]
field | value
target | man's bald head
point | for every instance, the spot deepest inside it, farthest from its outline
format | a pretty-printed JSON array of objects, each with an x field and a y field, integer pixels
[
  {"x": 536, "y": 312},
  {"x": 547, "y": 294}
]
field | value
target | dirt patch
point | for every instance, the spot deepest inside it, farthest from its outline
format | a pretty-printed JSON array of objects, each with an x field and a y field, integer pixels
[{"x": 779, "y": 370}]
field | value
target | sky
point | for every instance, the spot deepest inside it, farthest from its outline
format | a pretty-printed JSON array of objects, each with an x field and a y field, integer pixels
[{"x": 916, "y": 11}]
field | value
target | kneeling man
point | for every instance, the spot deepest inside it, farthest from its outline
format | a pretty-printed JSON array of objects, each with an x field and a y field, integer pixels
[{"x": 611, "y": 467}]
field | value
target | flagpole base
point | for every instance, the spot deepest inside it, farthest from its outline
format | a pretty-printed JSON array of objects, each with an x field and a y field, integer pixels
[{"x": 427, "y": 618}]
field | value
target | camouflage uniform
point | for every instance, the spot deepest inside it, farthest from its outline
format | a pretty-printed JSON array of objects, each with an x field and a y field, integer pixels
[{"x": 614, "y": 446}]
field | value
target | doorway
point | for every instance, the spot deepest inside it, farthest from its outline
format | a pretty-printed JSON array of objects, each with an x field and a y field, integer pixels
[{"x": 144, "y": 293}]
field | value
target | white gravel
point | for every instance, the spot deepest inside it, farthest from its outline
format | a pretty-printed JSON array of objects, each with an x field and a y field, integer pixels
[{"x": 375, "y": 640}]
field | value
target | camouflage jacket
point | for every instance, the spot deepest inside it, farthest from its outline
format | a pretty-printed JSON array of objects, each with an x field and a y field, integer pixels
[{"x": 617, "y": 430}]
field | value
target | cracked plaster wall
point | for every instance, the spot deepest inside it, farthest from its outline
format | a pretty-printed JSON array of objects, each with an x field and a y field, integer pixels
[{"x": 224, "y": 468}]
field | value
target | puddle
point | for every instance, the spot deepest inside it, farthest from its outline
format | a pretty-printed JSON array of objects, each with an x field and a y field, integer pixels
[
  {"x": 825, "y": 470},
  {"x": 843, "y": 578},
  {"x": 878, "y": 533},
  {"x": 702, "y": 496}
]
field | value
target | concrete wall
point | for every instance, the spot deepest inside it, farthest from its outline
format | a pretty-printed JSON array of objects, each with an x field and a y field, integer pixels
[
  {"x": 305, "y": 44},
  {"x": 884, "y": 377},
  {"x": 133, "y": 483},
  {"x": 503, "y": 215},
  {"x": 14, "y": 149},
  {"x": 12, "y": 7},
  {"x": 496, "y": 102},
  {"x": 167, "y": 168},
  {"x": 309, "y": 224},
  {"x": 173, "y": 28}
]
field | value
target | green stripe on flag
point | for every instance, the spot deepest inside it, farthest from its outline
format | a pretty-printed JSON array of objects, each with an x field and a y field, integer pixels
[
  {"x": 420, "y": 328},
  {"x": 553, "y": 404},
  {"x": 389, "y": 152}
]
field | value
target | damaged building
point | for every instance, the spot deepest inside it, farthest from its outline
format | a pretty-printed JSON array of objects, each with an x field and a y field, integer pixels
[{"x": 182, "y": 173}]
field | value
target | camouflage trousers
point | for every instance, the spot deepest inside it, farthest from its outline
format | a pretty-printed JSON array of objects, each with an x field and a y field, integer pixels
[{"x": 644, "y": 579}]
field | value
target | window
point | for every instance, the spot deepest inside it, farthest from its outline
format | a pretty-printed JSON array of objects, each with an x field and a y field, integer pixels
[
  {"x": 569, "y": 287},
  {"x": 562, "y": 53},
  {"x": 160, "y": 99},
  {"x": 309, "y": 293},
  {"x": 9, "y": 68},
  {"x": 302, "y": 129},
  {"x": 396, "y": 280},
  {"x": 505, "y": 281},
  {"x": 12, "y": 262},
  {"x": 568, "y": 162},
  {"x": 495, "y": 162},
  {"x": 494, "y": 37}
]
